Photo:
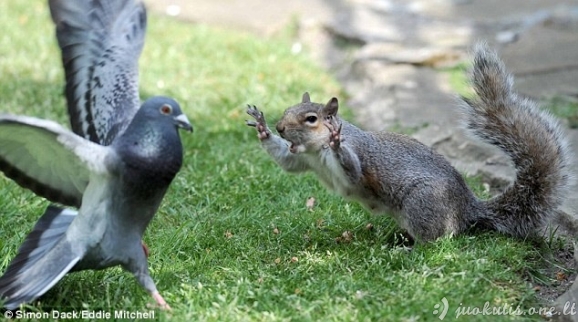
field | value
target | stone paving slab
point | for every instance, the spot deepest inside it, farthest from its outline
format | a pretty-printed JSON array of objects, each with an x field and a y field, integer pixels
[{"x": 257, "y": 16}]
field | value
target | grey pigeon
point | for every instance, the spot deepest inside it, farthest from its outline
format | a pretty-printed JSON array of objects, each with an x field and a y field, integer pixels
[
  {"x": 118, "y": 180},
  {"x": 119, "y": 187}
]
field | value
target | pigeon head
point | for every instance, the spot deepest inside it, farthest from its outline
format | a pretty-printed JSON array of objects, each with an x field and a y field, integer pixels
[
  {"x": 151, "y": 143},
  {"x": 164, "y": 109}
]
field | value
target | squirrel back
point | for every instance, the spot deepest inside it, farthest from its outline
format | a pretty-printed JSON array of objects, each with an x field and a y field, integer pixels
[{"x": 394, "y": 173}]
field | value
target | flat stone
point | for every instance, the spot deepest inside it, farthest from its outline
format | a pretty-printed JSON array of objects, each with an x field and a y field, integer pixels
[
  {"x": 549, "y": 66},
  {"x": 420, "y": 56},
  {"x": 566, "y": 304},
  {"x": 486, "y": 11},
  {"x": 368, "y": 23},
  {"x": 401, "y": 95},
  {"x": 258, "y": 16}
]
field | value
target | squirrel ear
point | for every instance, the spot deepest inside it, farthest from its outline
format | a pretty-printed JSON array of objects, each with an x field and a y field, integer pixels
[
  {"x": 331, "y": 108},
  {"x": 305, "y": 98}
]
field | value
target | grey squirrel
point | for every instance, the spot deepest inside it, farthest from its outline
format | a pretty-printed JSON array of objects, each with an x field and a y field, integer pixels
[{"x": 394, "y": 173}]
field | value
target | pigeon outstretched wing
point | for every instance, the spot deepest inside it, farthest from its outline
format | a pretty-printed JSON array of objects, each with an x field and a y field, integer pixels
[
  {"x": 57, "y": 164},
  {"x": 101, "y": 42},
  {"x": 48, "y": 159}
]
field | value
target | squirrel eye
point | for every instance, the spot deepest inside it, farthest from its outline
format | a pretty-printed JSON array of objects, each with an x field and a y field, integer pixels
[
  {"x": 311, "y": 118},
  {"x": 166, "y": 109}
]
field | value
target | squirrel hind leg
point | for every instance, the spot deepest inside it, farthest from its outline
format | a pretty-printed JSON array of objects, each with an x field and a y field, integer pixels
[
  {"x": 424, "y": 229},
  {"x": 426, "y": 220}
]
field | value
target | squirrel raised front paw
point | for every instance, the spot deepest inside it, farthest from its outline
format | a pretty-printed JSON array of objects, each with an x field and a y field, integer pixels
[
  {"x": 260, "y": 124},
  {"x": 335, "y": 132}
]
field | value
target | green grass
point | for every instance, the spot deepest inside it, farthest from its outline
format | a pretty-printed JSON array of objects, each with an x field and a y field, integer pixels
[
  {"x": 458, "y": 79},
  {"x": 564, "y": 107},
  {"x": 234, "y": 240}
]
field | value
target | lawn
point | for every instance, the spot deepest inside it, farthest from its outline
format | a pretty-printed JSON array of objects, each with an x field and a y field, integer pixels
[{"x": 235, "y": 239}]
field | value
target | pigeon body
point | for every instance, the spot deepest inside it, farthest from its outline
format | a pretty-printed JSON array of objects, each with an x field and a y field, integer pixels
[{"x": 115, "y": 166}]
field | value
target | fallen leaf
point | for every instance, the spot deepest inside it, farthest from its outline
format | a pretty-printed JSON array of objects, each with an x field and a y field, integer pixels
[
  {"x": 360, "y": 294},
  {"x": 560, "y": 276},
  {"x": 310, "y": 203},
  {"x": 347, "y": 236}
]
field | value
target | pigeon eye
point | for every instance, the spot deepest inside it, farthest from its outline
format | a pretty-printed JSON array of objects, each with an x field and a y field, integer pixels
[
  {"x": 166, "y": 109},
  {"x": 311, "y": 119}
]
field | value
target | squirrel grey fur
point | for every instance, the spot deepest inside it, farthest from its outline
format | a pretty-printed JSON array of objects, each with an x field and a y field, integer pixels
[{"x": 396, "y": 174}]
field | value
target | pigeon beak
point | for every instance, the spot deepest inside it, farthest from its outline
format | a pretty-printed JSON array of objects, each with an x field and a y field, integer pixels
[{"x": 183, "y": 122}]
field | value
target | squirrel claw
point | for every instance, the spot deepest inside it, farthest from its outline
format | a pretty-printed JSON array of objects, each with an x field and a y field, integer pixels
[
  {"x": 335, "y": 135},
  {"x": 260, "y": 124},
  {"x": 254, "y": 112}
]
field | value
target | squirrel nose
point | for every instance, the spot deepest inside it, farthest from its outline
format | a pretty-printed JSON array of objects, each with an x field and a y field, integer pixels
[{"x": 280, "y": 128}]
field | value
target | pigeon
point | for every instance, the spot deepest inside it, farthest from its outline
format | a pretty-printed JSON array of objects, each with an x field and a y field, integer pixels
[
  {"x": 119, "y": 186},
  {"x": 115, "y": 165}
]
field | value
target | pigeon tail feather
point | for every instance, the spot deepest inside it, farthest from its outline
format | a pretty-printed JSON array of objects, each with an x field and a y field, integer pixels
[
  {"x": 45, "y": 234},
  {"x": 19, "y": 286}
]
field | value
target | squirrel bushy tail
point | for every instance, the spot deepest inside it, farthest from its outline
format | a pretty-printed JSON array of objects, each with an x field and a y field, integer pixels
[{"x": 529, "y": 136}]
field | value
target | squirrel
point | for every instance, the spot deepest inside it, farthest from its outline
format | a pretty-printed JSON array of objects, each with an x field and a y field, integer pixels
[{"x": 396, "y": 174}]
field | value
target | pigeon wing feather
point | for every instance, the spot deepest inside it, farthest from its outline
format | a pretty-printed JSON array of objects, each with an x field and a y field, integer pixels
[
  {"x": 101, "y": 42},
  {"x": 48, "y": 159}
]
